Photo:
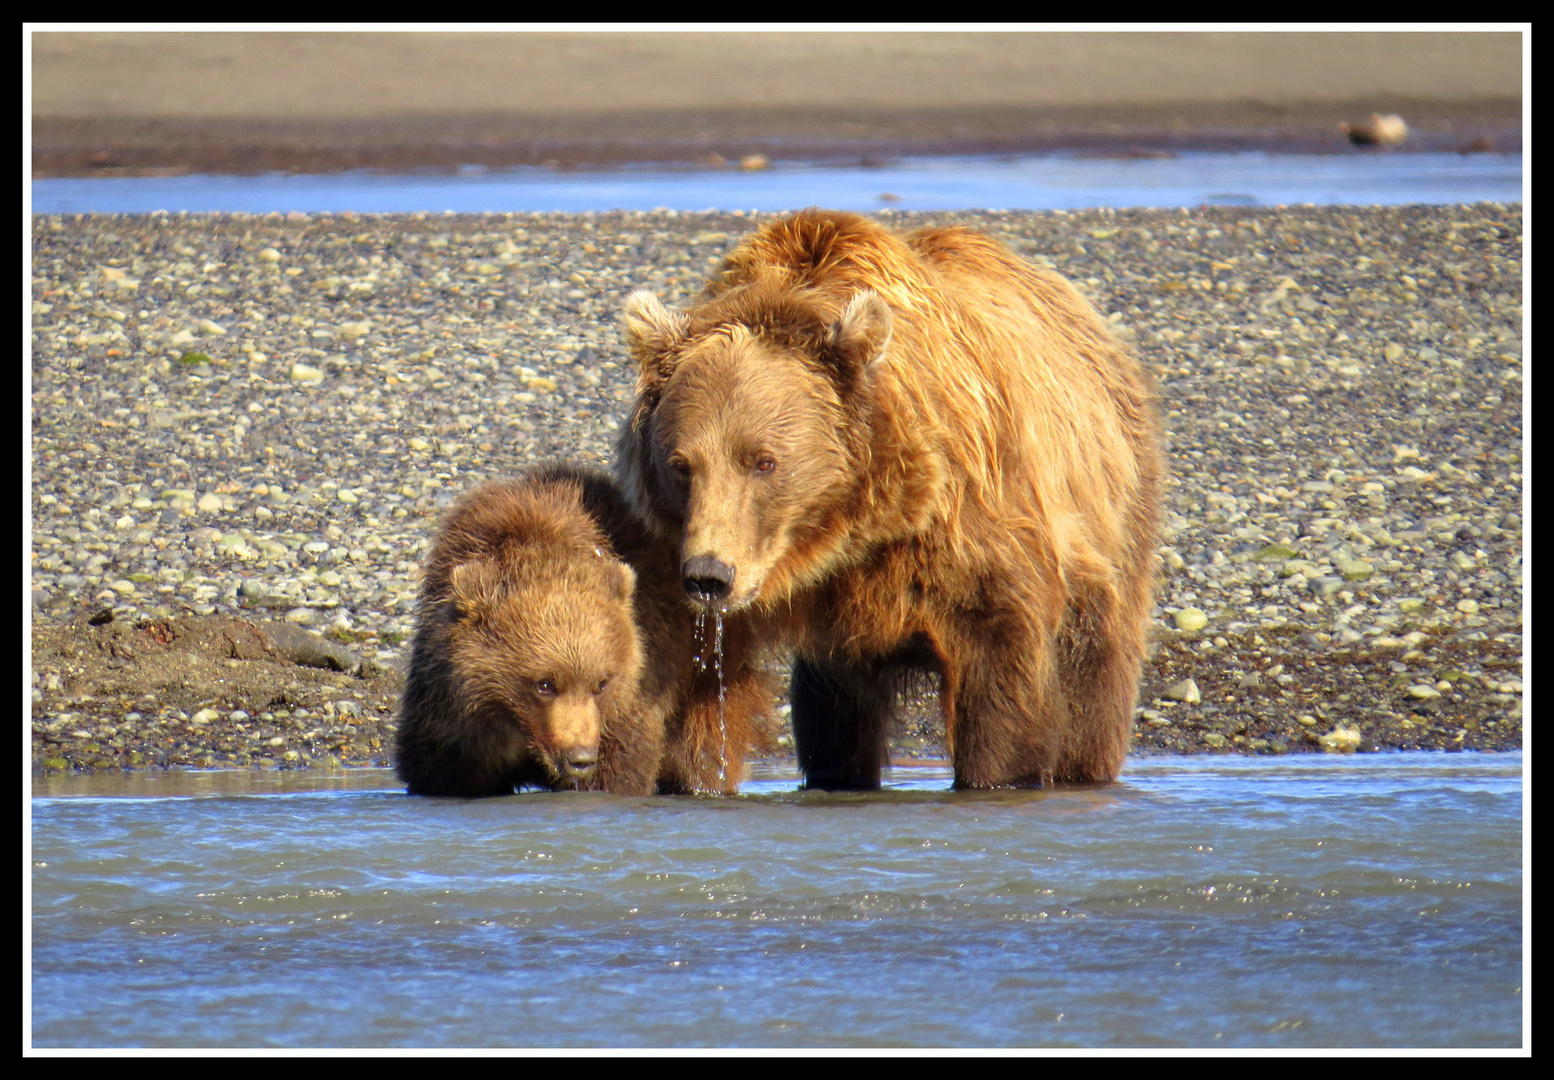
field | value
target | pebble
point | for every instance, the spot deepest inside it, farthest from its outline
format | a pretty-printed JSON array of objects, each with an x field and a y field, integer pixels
[
  {"x": 1191, "y": 619},
  {"x": 1341, "y": 740},
  {"x": 1185, "y": 691},
  {"x": 306, "y": 373}
]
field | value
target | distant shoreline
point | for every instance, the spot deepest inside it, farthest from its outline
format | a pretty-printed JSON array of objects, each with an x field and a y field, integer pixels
[
  {"x": 129, "y": 146},
  {"x": 239, "y": 102}
]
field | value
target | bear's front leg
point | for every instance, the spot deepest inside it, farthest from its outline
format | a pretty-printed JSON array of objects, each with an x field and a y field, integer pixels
[
  {"x": 841, "y": 722},
  {"x": 1005, "y": 716},
  {"x": 721, "y": 725}
]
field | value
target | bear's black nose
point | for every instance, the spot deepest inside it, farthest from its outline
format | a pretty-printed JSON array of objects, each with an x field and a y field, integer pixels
[
  {"x": 707, "y": 578},
  {"x": 581, "y": 760}
]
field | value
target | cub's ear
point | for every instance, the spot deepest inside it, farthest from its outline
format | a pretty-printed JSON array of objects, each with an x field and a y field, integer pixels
[
  {"x": 473, "y": 588},
  {"x": 651, "y": 329},
  {"x": 624, "y": 582},
  {"x": 862, "y": 333}
]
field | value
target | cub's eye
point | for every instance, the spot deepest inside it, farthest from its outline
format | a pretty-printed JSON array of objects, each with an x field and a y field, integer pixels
[
  {"x": 681, "y": 466},
  {"x": 545, "y": 688},
  {"x": 765, "y": 465},
  {"x": 602, "y": 684}
]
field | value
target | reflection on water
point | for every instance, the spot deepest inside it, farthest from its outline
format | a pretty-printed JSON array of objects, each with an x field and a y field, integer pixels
[
  {"x": 1203, "y": 902},
  {"x": 1049, "y": 182}
]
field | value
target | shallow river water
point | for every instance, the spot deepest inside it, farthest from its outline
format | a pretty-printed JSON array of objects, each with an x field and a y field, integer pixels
[
  {"x": 1203, "y": 902},
  {"x": 1045, "y": 182}
]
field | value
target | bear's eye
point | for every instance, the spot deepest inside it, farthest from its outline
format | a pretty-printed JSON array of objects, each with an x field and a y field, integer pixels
[
  {"x": 765, "y": 465},
  {"x": 681, "y": 466},
  {"x": 545, "y": 688},
  {"x": 602, "y": 684}
]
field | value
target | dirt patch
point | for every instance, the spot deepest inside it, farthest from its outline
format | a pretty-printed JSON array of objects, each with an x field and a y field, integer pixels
[{"x": 200, "y": 691}]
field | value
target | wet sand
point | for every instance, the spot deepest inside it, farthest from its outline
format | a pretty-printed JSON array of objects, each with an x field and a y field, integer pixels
[{"x": 112, "y": 103}]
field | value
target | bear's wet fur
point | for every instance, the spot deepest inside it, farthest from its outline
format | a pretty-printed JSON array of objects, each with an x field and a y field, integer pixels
[
  {"x": 554, "y": 650},
  {"x": 896, "y": 453}
]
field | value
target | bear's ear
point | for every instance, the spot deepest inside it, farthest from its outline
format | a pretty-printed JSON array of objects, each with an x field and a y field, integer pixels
[
  {"x": 472, "y": 588},
  {"x": 862, "y": 334},
  {"x": 624, "y": 582},
  {"x": 651, "y": 329}
]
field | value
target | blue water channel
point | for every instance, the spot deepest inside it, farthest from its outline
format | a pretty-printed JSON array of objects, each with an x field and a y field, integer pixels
[
  {"x": 1204, "y": 902},
  {"x": 1048, "y": 182}
]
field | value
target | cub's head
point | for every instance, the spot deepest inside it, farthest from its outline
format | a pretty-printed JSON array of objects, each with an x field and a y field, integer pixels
[
  {"x": 750, "y": 432},
  {"x": 546, "y": 643}
]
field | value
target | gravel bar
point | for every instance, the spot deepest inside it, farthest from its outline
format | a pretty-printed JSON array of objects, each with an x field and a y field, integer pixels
[{"x": 244, "y": 425}]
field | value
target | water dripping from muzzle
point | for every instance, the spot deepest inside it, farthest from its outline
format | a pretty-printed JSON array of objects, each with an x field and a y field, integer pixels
[
  {"x": 722, "y": 704},
  {"x": 701, "y": 660}
]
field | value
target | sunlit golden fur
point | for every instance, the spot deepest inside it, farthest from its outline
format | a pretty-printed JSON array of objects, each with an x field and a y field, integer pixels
[
  {"x": 915, "y": 451},
  {"x": 551, "y": 579}
]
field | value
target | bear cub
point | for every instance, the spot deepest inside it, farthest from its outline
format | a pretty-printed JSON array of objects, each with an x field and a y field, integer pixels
[{"x": 528, "y": 660}]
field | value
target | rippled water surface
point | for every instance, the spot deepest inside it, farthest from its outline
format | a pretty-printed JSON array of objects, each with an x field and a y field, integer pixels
[
  {"x": 1372, "y": 901},
  {"x": 1047, "y": 182}
]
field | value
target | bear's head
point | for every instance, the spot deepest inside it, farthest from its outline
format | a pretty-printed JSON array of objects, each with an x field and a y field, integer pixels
[
  {"x": 546, "y": 644},
  {"x": 750, "y": 435}
]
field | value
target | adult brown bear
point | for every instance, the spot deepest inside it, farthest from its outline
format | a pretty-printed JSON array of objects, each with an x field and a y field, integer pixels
[
  {"x": 555, "y": 650},
  {"x": 909, "y": 452}
]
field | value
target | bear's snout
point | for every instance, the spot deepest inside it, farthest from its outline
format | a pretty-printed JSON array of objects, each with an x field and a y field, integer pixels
[
  {"x": 578, "y": 762},
  {"x": 707, "y": 578}
]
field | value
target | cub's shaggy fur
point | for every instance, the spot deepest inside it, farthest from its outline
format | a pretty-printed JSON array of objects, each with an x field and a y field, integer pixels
[
  {"x": 555, "y": 650},
  {"x": 909, "y": 452}
]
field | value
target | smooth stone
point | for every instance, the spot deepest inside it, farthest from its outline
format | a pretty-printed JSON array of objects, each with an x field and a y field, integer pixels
[
  {"x": 253, "y": 589},
  {"x": 1191, "y": 619},
  {"x": 304, "y": 616},
  {"x": 1341, "y": 740},
  {"x": 307, "y": 649},
  {"x": 1275, "y": 551}
]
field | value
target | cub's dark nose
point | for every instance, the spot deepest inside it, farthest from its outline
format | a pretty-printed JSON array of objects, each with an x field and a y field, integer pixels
[
  {"x": 580, "y": 760},
  {"x": 707, "y": 578}
]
